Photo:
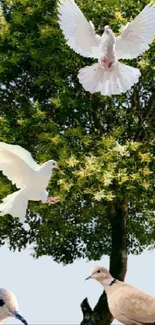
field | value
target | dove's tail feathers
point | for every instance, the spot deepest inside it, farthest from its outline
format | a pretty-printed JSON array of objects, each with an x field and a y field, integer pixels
[
  {"x": 15, "y": 204},
  {"x": 109, "y": 81}
]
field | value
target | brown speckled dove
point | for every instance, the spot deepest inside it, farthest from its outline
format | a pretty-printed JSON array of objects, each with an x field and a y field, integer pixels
[
  {"x": 127, "y": 304},
  {"x": 9, "y": 306}
]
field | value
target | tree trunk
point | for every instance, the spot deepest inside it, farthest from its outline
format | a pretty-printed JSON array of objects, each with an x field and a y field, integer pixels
[{"x": 101, "y": 315}]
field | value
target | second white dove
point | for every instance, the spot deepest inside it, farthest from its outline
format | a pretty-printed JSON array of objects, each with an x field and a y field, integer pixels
[{"x": 18, "y": 165}]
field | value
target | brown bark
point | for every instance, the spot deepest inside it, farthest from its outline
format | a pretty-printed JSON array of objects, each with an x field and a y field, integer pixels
[{"x": 101, "y": 315}]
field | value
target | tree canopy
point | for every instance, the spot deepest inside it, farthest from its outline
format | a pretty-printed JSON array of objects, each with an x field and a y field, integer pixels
[{"x": 104, "y": 145}]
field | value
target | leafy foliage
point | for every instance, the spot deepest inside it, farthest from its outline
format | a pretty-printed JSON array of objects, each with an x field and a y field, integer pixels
[{"x": 105, "y": 146}]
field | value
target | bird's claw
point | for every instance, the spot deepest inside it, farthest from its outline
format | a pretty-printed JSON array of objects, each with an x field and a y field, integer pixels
[{"x": 53, "y": 200}]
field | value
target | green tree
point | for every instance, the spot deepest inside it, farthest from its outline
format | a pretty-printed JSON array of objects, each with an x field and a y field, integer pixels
[{"x": 104, "y": 145}]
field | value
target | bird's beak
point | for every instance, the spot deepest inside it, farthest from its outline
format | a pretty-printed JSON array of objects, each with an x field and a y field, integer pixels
[
  {"x": 89, "y": 277},
  {"x": 18, "y": 316}
]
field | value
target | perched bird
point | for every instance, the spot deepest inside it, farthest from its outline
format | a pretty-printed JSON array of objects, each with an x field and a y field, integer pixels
[
  {"x": 108, "y": 76},
  {"x": 18, "y": 165},
  {"x": 127, "y": 304},
  {"x": 9, "y": 306}
]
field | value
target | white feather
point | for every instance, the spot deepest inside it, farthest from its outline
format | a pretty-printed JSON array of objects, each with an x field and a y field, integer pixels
[
  {"x": 21, "y": 153},
  {"x": 137, "y": 35},
  {"x": 15, "y": 163},
  {"x": 115, "y": 80},
  {"x": 79, "y": 33},
  {"x": 15, "y": 204}
]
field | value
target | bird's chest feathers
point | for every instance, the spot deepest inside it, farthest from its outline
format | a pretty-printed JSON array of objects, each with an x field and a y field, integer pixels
[
  {"x": 108, "y": 57},
  {"x": 113, "y": 296},
  {"x": 43, "y": 175}
]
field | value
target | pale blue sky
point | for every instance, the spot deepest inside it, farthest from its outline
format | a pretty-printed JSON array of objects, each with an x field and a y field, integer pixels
[{"x": 49, "y": 293}]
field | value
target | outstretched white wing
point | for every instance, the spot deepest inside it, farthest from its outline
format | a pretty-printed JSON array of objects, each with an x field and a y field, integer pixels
[
  {"x": 137, "y": 35},
  {"x": 17, "y": 164},
  {"x": 79, "y": 33},
  {"x": 21, "y": 152}
]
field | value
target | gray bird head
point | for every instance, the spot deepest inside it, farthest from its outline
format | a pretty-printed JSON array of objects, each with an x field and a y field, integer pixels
[
  {"x": 9, "y": 306},
  {"x": 99, "y": 273}
]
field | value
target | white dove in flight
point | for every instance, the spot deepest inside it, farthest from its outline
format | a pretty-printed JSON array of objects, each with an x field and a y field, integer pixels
[
  {"x": 18, "y": 165},
  {"x": 108, "y": 76}
]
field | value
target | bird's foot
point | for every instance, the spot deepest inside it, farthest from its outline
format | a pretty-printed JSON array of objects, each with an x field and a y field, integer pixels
[{"x": 53, "y": 200}]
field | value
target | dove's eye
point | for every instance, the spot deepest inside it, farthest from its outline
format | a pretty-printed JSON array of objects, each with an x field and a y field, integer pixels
[
  {"x": 2, "y": 303},
  {"x": 98, "y": 271}
]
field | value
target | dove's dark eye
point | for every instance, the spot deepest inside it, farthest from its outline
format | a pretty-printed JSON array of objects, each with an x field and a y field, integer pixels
[
  {"x": 2, "y": 303},
  {"x": 98, "y": 271}
]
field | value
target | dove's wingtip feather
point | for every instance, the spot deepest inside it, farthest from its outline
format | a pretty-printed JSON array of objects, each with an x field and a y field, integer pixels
[
  {"x": 74, "y": 24},
  {"x": 138, "y": 35},
  {"x": 15, "y": 204}
]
